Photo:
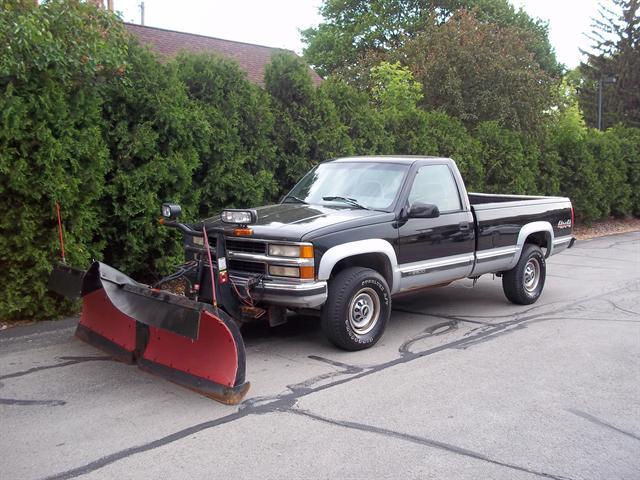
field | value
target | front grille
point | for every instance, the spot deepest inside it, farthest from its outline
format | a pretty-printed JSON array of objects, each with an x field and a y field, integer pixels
[
  {"x": 242, "y": 266},
  {"x": 246, "y": 247}
]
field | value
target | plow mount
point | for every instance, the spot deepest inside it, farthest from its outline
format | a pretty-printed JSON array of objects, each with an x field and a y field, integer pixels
[{"x": 194, "y": 342}]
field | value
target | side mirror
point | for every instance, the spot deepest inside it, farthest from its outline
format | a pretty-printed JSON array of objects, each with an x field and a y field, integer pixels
[
  {"x": 171, "y": 211},
  {"x": 423, "y": 210}
]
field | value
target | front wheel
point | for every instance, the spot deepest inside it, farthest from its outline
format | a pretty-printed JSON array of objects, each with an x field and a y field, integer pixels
[
  {"x": 357, "y": 308},
  {"x": 523, "y": 284}
]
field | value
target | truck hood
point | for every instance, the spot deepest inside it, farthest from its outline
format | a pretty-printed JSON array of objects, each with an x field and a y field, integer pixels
[{"x": 296, "y": 222}]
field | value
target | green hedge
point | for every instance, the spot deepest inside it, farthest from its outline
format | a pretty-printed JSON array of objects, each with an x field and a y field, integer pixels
[{"x": 91, "y": 120}]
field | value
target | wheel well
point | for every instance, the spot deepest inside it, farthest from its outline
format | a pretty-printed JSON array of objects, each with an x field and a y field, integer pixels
[
  {"x": 375, "y": 261},
  {"x": 541, "y": 239}
]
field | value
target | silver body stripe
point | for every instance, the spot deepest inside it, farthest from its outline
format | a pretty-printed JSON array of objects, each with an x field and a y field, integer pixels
[
  {"x": 435, "y": 264},
  {"x": 496, "y": 252},
  {"x": 561, "y": 240}
]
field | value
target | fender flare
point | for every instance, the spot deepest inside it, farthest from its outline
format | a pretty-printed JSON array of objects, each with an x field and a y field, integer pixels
[
  {"x": 528, "y": 229},
  {"x": 350, "y": 249}
]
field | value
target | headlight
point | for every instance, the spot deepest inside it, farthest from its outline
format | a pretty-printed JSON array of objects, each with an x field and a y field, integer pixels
[
  {"x": 284, "y": 250},
  {"x": 240, "y": 217},
  {"x": 291, "y": 251},
  {"x": 281, "y": 271}
]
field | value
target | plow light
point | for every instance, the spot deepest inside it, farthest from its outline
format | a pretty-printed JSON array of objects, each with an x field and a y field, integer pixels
[
  {"x": 171, "y": 211},
  {"x": 239, "y": 217}
]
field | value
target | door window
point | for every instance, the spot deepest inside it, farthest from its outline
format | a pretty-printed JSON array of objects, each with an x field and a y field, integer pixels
[{"x": 435, "y": 185}]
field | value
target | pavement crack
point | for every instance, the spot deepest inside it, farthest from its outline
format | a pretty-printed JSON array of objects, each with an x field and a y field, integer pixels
[
  {"x": 44, "y": 403},
  {"x": 617, "y": 307},
  {"x": 440, "y": 315},
  {"x": 345, "y": 366},
  {"x": 602, "y": 423},
  {"x": 70, "y": 361},
  {"x": 421, "y": 441},
  {"x": 114, "y": 457},
  {"x": 432, "y": 331}
]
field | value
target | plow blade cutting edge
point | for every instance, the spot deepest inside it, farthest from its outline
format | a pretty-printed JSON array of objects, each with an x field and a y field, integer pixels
[{"x": 190, "y": 343}]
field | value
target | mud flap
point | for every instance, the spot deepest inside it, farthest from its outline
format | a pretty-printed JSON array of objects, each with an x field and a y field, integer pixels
[{"x": 187, "y": 342}]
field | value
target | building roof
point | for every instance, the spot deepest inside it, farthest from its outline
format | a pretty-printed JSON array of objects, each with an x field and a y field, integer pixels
[{"x": 251, "y": 58}]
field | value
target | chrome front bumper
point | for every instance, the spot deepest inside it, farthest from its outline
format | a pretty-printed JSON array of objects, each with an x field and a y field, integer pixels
[{"x": 287, "y": 294}]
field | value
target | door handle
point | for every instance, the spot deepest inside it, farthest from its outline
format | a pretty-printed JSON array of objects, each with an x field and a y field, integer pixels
[{"x": 463, "y": 225}]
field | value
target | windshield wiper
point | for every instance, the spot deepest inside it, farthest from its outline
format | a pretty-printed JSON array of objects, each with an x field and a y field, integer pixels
[
  {"x": 293, "y": 197},
  {"x": 351, "y": 201}
]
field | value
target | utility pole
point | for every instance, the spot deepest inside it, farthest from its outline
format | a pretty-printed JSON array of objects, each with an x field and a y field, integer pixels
[
  {"x": 602, "y": 81},
  {"x": 141, "y": 13}
]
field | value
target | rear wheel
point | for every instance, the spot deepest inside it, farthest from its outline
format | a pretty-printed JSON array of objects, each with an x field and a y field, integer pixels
[
  {"x": 357, "y": 308},
  {"x": 523, "y": 284}
]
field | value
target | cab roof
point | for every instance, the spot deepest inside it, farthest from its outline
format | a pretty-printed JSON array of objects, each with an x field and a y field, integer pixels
[{"x": 402, "y": 159}]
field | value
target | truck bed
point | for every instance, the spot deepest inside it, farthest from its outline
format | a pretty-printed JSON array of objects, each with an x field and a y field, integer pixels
[
  {"x": 494, "y": 200},
  {"x": 501, "y": 220}
]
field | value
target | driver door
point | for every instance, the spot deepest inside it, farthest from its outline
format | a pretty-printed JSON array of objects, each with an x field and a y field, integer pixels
[{"x": 436, "y": 250}]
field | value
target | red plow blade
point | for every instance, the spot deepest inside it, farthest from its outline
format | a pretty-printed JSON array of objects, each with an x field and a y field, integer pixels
[
  {"x": 189, "y": 343},
  {"x": 211, "y": 365}
]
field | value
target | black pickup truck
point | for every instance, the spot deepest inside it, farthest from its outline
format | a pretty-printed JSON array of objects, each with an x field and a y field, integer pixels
[{"x": 356, "y": 231}]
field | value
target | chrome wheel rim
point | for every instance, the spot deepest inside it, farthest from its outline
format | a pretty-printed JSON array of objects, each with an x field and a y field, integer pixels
[
  {"x": 531, "y": 275},
  {"x": 364, "y": 311}
]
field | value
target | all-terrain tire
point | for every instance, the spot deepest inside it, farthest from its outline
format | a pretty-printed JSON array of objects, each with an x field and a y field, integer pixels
[
  {"x": 523, "y": 284},
  {"x": 357, "y": 309}
]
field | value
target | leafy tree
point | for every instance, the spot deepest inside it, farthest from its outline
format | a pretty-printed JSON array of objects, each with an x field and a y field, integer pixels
[
  {"x": 237, "y": 157},
  {"x": 615, "y": 53},
  {"x": 357, "y": 34},
  {"x": 411, "y": 130},
  {"x": 476, "y": 72},
  {"x": 396, "y": 95}
]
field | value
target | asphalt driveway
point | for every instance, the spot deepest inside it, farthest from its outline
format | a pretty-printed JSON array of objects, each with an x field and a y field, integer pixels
[{"x": 463, "y": 385}]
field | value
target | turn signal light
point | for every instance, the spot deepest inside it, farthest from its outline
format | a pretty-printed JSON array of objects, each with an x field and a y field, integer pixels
[
  {"x": 307, "y": 272},
  {"x": 306, "y": 251},
  {"x": 242, "y": 232}
]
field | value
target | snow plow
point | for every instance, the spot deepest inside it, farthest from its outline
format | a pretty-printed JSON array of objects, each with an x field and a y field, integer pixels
[{"x": 192, "y": 339}]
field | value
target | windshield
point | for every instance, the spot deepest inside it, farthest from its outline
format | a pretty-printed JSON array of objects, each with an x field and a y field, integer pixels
[{"x": 354, "y": 184}]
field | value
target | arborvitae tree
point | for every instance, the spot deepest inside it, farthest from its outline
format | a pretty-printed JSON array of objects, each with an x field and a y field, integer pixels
[
  {"x": 615, "y": 53},
  {"x": 55, "y": 59},
  {"x": 155, "y": 134},
  {"x": 578, "y": 167},
  {"x": 307, "y": 126},
  {"x": 506, "y": 168},
  {"x": 364, "y": 122},
  {"x": 236, "y": 163}
]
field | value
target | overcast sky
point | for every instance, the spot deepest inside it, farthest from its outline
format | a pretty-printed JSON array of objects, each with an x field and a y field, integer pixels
[{"x": 277, "y": 22}]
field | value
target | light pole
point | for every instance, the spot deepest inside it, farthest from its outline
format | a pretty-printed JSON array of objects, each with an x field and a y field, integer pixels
[{"x": 602, "y": 81}]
